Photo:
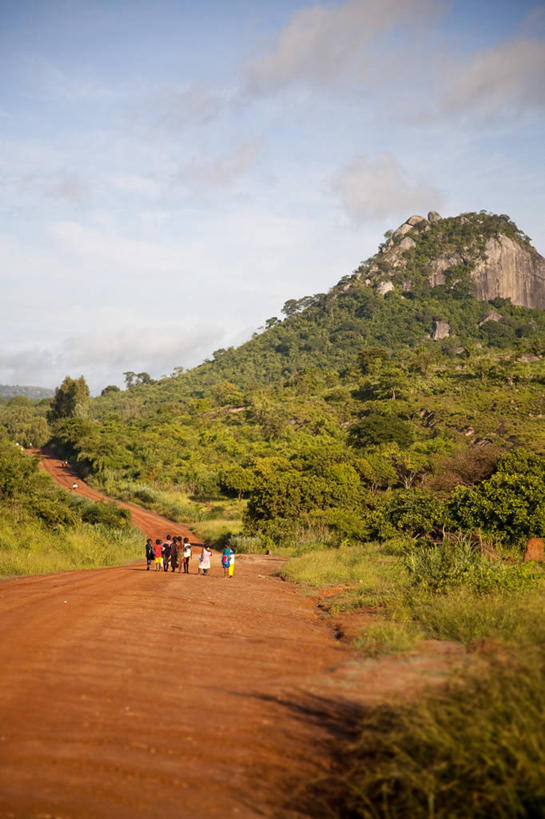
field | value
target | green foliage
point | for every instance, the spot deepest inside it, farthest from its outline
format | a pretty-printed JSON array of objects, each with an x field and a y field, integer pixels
[
  {"x": 23, "y": 422},
  {"x": 43, "y": 528},
  {"x": 290, "y": 489},
  {"x": 71, "y": 399},
  {"x": 458, "y": 561},
  {"x": 374, "y": 429},
  {"x": 105, "y": 514},
  {"x": 510, "y": 504},
  {"x": 236, "y": 480},
  {"x": 411, "y": 512}
]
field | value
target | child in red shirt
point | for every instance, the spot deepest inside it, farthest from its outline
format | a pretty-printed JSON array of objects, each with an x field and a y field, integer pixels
[{"x": 157, "y": 549}]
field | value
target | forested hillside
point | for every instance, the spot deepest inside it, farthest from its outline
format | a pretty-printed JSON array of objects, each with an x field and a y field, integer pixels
[{"x": 367, "y": 412}]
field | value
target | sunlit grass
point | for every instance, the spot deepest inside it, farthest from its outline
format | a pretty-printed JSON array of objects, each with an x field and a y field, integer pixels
[
  {"x": 362, "y": 567},
  {"x": 173, "y": 503},
  {"x": 463, "y": 615},
  {"x": 473, "y": 748},
  {"x": 387, "y": 637},
  {"x": 29, "y": 547},
  {"x": 216, "y": 531}
]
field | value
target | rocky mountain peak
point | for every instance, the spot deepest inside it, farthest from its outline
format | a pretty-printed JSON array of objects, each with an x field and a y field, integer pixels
[{"x": 486, "y": 252}]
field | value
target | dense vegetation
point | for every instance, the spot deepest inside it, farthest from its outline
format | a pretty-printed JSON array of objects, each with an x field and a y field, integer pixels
[
  {"x": 473, "y": 747},
  {"x": 45, "y": 529}
]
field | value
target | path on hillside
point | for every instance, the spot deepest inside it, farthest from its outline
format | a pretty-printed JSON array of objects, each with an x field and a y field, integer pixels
[
  {"x": 128, "y": 694},
  {"x": 152, "y": 525}
]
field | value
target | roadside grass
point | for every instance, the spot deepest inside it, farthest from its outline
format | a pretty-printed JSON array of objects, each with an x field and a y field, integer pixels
[
  {"x": 510, "y": 618},
  {"x": 388, "y": 637},
  {"x": 473, "y": 748},
  {"x": 173, "y": 503},
  {"x": 30, "y": 547},
  {"x": 218, "y": 532},
  {"x": 363, "y": 567},
  {"x": 443, "y": 592}
]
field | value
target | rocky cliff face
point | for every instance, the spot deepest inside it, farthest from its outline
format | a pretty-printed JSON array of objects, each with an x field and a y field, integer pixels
[
  {"x": 510, "y": 272},
  {"x": 499, "y": 265}
]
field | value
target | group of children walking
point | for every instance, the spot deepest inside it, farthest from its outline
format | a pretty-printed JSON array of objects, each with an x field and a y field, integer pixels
[{"x": 176, "y": 553}]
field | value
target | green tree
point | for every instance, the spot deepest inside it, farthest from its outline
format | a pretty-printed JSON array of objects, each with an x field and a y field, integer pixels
[
  {"x": 129, "y": 378},
  {"x": 510, "y": 504},
  {"x": 375, "y": 429},
  {"x": 71, "y": 399}
]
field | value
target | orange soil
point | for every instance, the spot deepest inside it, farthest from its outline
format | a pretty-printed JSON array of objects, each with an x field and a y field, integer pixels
[
  {"x": 133, "y": 694},
  {"x": 152, "y": 525}
]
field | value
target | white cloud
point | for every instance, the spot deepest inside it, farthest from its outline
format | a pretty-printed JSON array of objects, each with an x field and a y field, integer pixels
[
  {"x": 103, "y": 356},
  {"x": 329, "y": 42},
  {"x": 380, "y": 188},
  {"x": 221, "y": 172},
  {"x": 113, "y": 252},
  {"x": 508, "y": 76}
]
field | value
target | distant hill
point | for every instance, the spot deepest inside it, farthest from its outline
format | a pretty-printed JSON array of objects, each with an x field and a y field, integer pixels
[
  {"x": 10, "y": 391},
  {"x": 371, "y": 410},
  {"x": 470, "y": 279}
]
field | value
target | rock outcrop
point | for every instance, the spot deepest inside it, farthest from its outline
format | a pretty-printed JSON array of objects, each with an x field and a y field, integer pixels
[
  {"x": 510, "y": 272},
  {"x": 441, "y": 329},
  {"x": 500, "y": 267},
  {"x": 492, "y": 315}
]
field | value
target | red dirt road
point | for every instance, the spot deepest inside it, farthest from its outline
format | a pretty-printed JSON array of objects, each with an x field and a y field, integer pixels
[
  {"x": 151, "y": 524},
  {"x": 126, "y": 693}
]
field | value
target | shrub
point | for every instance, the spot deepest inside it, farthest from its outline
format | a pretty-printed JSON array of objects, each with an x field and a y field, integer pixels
[
  {"x": 375, "y": 429},
  {"x": 509, "y": 506},
  {"x": 457, "y": 561}
]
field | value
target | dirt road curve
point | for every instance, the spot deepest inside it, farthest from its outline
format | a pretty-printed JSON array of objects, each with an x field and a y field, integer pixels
[
  {"x": 127, "y": 694},
  {"x": 153, "y": 525}
]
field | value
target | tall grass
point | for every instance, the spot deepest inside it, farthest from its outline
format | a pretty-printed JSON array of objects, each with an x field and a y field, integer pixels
[
  {"x": 27, "y": 546},
  {"x": 369, "y": 577},
  {"x": 172, "y": 503},
  {"x": 476, "y": 750},
  {"x": 217, "y": 532},
  {"x": 511, "y": 618}
]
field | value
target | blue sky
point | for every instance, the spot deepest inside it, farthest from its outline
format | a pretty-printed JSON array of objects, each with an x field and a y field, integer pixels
[{"x": 172, "y": 172}]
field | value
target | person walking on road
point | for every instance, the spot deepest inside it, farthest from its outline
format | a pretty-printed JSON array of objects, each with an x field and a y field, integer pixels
[
  {"x": 158, "y": 552},
  {"x": 226, "y": 560},
  {"x": 232, "y": 564},
  {"x": 166, "y": 552},
  {"x": 186, "y": 551},
  {"x": 150, "y": 554},
  {"x": 174, "y": 553},
  {"x": 204, "y": 560}
]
